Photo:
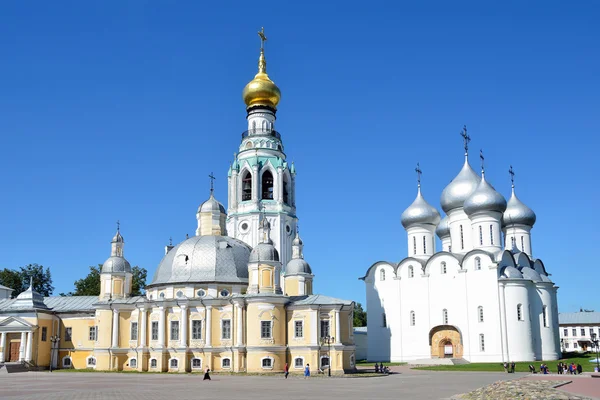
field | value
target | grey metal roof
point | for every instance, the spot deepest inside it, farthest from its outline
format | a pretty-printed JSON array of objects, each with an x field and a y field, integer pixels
[
  {"x": 420, "y": 212},
  {"x": 297, "y": 266},
  {"x": 55, "y": 303},
  {"x": 517, "y": 212},
  {"x": 443, "y": 228},
  {"x": 212, "y": 205},
  {"x": 361, "y": 330},
  {"x": 116, "y": 264},
  {"x": 484, "y": 198},
  {"x": 577, "y": 318},
  {"x": 264, "y": 252},
  {"x": 205, "y": 259},
  {"x": 318, "y": 299},
  {"x": 4, "y": 287}
]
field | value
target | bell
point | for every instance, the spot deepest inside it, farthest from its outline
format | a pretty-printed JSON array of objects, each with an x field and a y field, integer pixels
[{"x": 247, "y": 186}]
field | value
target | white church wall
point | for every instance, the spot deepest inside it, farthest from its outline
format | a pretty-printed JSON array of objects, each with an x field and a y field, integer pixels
[
  {"x": 550, "y": 342},
  {"x": 518, "y": 330},
  {"x": 377, "y": 290}
]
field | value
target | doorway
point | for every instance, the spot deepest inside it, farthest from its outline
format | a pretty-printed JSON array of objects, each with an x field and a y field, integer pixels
[{"x": 14, "y": 351}]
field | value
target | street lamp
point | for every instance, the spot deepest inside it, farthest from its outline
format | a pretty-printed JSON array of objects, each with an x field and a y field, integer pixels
[
  {"x": 328, "y": 340},
  {"x": 595, "y": 342},
  {"x": 54, "y": 339}
]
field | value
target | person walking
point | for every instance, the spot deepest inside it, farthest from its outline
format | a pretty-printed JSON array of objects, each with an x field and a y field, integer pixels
[
  {"x": 286, "y": 369},
  {"x": 206, "y": 374},
  {"x": 512, "y": 367},
  {"x": 579, "y": 369},
  {"x": 306, "y": 371},
  {"x": 505, "y": 365}
]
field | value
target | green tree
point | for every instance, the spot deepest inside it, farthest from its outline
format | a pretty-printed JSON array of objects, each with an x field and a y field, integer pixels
[
  {"x": 139, "y": 281},
  {"x": 12, "y": 279},
  {"x": 360, "y": 315},
  {"x": 19, "y": 280},
  {"x": 90, "y": 285}
]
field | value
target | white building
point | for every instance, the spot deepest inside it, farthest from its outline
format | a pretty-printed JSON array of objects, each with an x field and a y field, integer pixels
[
  {"x": 577, "y": 330},
  {"x": 482, "y": 297}
]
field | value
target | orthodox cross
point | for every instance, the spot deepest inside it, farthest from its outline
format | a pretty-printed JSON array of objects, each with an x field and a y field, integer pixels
[
  {"x": 212, "y": 182},
  {"x": 419, "y": 172},
  {"x": 466, "y": 138},
  {"x": 482, "y": 159},
  {"x": 511, "y": 171},
  {"x": 263, "y": 38},
  {"x": 118, "y": 226},
  {"x": 170, "y": 241}
]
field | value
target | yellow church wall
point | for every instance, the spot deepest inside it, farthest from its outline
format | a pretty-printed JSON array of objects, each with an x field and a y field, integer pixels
[
  {"x": 42, "y": 348},
  {"x": 104, "y": 324},
  {"x": 257, "y": 312},
  {"x": 254, "y": 361},
  {"x": 299, "y": 315},
  {"x": 124, "y": 328},
  {"x": 79, "y": 332},
  {"x": 344, "y": 326},
  {"x": 291, "y": 286},
  {"x": 117, "y": 286},
  {"x": 78, "y": 358}
]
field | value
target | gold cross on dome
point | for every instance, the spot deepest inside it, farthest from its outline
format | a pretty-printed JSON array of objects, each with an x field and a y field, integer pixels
[{"x": 263, "y": 38}]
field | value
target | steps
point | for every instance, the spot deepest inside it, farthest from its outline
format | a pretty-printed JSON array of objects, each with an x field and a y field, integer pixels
[{"x": 14, "y": 367}]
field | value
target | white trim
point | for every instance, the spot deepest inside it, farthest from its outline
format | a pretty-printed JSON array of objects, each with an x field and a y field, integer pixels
[
  {"x": 301, "y": 365},
  {"x": 130, "y": 360},
  {"x": 87, "y": 362},
  {"x": 222, "y": 360},
  {"x": 171, "y": 360},
  {"x": 70, "y": 362},
  {"x": 267, "y": 358},
  {"x": 192, "y": 363},
  {"x": 150, "y": 363}
]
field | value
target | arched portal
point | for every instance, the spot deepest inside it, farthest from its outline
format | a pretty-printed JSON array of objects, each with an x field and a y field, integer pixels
[{"x": 445, "y": 342}]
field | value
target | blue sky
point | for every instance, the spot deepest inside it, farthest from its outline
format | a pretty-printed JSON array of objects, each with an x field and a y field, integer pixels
[{"x": 119, "y": 110}]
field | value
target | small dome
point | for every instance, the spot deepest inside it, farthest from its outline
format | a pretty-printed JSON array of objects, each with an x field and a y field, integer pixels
[
  {"x": 420, "y": 212},
  {"x": 511, "y": 273},
  {"x": 545, "y": 278},
  {"x": 443, "y": 228},
  {"x": 484, "y": 198},
  {"x": 297, "y": 266},
  {"x": 264, "y": 252},
  {"x": 461, "y": 187},
  {"x": 530, "y": 273},
  {"x": 211, "y": 205},
  {"x": 297, "y": 241},
  {"x": 261, "y": 91},
  {"x": 118, "y": 238},
  {"x": 116, "y": 264},
  {"x": 517, "y": 213}
]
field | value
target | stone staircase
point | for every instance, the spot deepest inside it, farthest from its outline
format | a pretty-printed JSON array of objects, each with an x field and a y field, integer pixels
[{"x": 12, "y": 367}]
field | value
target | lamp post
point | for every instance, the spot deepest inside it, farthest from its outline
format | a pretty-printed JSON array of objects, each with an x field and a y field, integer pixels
[
  {"x": 595, "y": 342},
  {"x": 562, "y": 346},
  {"x": 328, "y": 340},
  {"x": 54, "y": 339}
]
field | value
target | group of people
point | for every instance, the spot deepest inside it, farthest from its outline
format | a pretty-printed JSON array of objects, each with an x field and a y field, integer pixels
[
  {"x": 381, "y": 369},
  {"x": 510, "y": 368},
  {"x": 571, "y": 369}
]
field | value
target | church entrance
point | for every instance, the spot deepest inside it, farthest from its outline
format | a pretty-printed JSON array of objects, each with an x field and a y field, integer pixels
[
  {"x": 14, "y": 351},
  {"x": 445, "y": 342}
]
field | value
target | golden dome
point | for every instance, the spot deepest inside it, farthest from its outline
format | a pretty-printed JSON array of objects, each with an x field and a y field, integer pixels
[{"x": 261, "y": 90}]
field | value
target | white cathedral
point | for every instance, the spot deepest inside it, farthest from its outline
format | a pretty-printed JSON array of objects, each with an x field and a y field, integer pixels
[{"x": 482, "y": 298}]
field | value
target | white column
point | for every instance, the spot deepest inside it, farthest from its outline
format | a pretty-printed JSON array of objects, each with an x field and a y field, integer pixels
[
  {"x": 161, "y": 327},
  {"x": 314, "y": 323},
  {"x": 338, "y": 330},
  {"x": 115, "y": 329},
  {"x": 239, "y": 337},
  {"x": 28, "y": 347},
  {"x": 22, "y": 346},
  {"x": 184, "y": 326},
  {"x": 279, "y": 194},
  {"x": 144, "y": 328},
  {"x": 208, "y": 340},
  {"x": 2, "y": 345},
  {"x": 255, "y": 181}
]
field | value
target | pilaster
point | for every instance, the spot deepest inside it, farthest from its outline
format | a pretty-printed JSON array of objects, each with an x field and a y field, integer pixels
[{"x": 115, "y": 329}]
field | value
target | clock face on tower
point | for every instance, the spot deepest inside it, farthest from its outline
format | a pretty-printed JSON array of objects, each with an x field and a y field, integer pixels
[{"x": 244, "y": 227}]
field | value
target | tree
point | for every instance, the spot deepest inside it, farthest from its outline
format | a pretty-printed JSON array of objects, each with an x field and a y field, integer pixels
[
  {"x": 139, "y": 281},
  {"x": 19, "y": 280},
  {"x": 12, "y": 279},
  {"x": 360, "y": 315},
  {"x": 90, "y": 285}
]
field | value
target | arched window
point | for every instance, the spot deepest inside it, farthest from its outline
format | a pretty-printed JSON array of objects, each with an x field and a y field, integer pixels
[
  {"x": 246, "y": 186},
  {"x": 133, "y": 363},
  {"x": 411, "y": 271},
  {"x": 480, "y": 313},
  {"x": 267, "y": 363},
  {"x": 412, "y": 318},
  {"x": 513, "y": 242},
  {"x": 153, "y": 363},
  {"x": 477, "y": 263},
  {"x": 196, "y": 363},
  {"x": 67, "y": 362},
  {"x": 174, "y": 363},
  {"x": 545, "y": 316},
  {"x": 253, "y": 126},
  {"x": 383, "y": 320},
  {"x": 324, "y": 362},
  {"x": 462, "y": 239},
  {"x": 382, "y": 275},
  {"x": 424, "y": 245},
  {"x": 522, "y": 244},
  {"x": 519, "y": 312},
  {"x": 480, "y": 235},
  {"x": 481, "y": 342},
  {"x": 264, "y": 126},
  {"x": 414, "y": 245},
  {"x": 445, "y": 316},
  {"x": 267, "y": 186},
  {"x": 443, "y": 268},
  {"x": 492, "y": 235},
  {"x": 91, "y": 362},
  {"x": 285, "y": 189},
  {"x": 299, "y": 362},
  {"x": 226, "y": 363}
]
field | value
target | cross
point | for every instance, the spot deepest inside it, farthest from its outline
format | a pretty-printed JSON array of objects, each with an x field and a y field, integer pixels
[
  {"x": 212, "y": 182},
  {"x": 170, "y": 241},
  {"x": 511, "y": 171},
  {"x": 466, "y": 138},
  {"x": 482, "y": 159},
  {"x": 263, "y": 38},
  {"x": 118, "y": 226},
  {"x": 419, "y": 172}
]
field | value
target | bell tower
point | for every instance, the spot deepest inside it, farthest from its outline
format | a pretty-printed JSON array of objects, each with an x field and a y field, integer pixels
[{"x": 260, "y": 180}]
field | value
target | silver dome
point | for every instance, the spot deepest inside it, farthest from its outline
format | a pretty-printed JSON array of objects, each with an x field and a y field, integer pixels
[
  {"x": 118, "y": 238},
  {"x": 264, "y": 252},
  {"x": 211, "y": 205},
  {"x": 443, "y": 228},
  {"x": 461, "y": 187},
  {"x": 420, "y": 212},
  {"x": 484, "y": 198},
  {"x": 530, "y": 273},
  {"x": 517, "y": 213},
  {"x": 205, "y": 259},
  {"x": 116, "y": 264},
  {"x": 511, "y": 273},
  {"x": 297, "y": 241},
  {"x": 297, "y": 266}
]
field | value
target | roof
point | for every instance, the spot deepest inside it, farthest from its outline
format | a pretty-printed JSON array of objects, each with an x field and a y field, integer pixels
[
  {"x": 4, "y": 287},
  {"x": 576, "y": 318},
  {"x": 58, "y": 303},
  {"x": 317, "y": 299},
  {"x": 361, "y": 330}
]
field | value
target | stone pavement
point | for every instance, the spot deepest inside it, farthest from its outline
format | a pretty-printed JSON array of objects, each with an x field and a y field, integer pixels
[
  {"x": 521, "y": 388},
  {"x": 581, "y": 385}
]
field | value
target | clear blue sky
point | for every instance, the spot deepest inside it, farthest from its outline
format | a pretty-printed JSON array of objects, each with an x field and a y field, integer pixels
[{"x": 119, "y": 110}]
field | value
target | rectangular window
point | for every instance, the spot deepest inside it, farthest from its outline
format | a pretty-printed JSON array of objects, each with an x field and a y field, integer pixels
[
  {"x": 44, "y": 333},
  {"x": 134, "y": 331},
  {"x": 582, "y": 331},
  {"x": 196, "y": 329},
  {"x": 298, "y": 329},
  {"x": 462, "y": 239},
  {"x": 545, "y": 316},
  {"x": 92, "y": 334},
  {"x": 324, "y": 328},
  {"x": 424, "y": 245},
  {"x": 267, "y": 363},
  {"x": 492, "y": 235},
  {"x": 480, "y": 235},
  {"x": 519, "y": 312},
  {"x": 68, "y": 333},
  {"x": 574, "y": 332},
  {"x": 226, "y": 329},
  {"x": 298, "y": 362},
  {"x": 565, "y": 332},
  {"x": 196, "y": 363},
  {"x": 575, "y": 345},
  {"x": 567, "y": 345},
  {"x": 481, "y": 342},
  {"x": 154, "y": 331},
  {"x": 414, "y": 245},
  {"x": 174, "y": 330},
  {"x": 522, "y": 244},
  {"x": 592, "y": 332},
  {"x": 384, "y": 320},
  {"x": 265, "y": 329}
]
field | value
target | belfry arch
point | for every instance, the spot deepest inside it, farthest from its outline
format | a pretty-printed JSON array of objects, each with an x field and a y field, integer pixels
[{"x": 446, "y": 341}]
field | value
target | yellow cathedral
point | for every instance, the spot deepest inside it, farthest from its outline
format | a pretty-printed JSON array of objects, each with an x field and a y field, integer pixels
[{"x": 237, "y": 296}]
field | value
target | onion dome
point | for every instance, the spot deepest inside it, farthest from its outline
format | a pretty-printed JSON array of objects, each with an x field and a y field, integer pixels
[
  {"x": 461, "y": 187},
  {"x": 297, "y": 241},
  {"x": 484, "y": 198},
  {"x": 517, "y": 213},
  {"x": 116, "y": 264},
  {"x": 297, "y": 266},
  {"x": 211, "y": 205},
  {"x": 443, "y": 228},
  {"x": 261, "y": 91},
  {"x": 118, "y": 238},
  {"x": 264, "y": 252},
  {"x": 420, "y": 212}
]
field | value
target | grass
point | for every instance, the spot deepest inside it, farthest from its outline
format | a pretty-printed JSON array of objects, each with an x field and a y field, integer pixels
[
  {"x": 364, "y": 363},
  {"x": 577, "y": 358}
]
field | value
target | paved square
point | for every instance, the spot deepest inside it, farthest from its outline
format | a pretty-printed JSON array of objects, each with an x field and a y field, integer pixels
[{"x": 406, "y": 384}]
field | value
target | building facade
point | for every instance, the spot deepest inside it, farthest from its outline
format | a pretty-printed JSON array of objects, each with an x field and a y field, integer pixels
[
  {"x": 481, "y": 297},
  {"x": 578, "y": 329},
  {"x": 238, "y": 296}
]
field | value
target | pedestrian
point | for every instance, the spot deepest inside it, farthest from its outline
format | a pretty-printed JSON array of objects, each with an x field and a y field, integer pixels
[
  {"x": 559, "y": 368},
  {"x": 512, "y": 367},
  {"x": 531, "y": 369},
  {"x": 206, "y": 374},
  {"x": 376, "y": 368},
  {"x": 505, "y": 365},
  {"x": 287, "y": 370},
  {"x": 381, "y": 367},
  {"x": 306, "y": 371},
  {"x": 579, "y": 369}
]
